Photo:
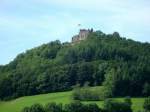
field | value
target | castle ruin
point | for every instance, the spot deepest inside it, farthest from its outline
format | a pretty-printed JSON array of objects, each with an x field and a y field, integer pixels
[{"x": 83, "y": 34}]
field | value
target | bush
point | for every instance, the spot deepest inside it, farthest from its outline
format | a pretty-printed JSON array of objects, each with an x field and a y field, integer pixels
[
  {"x": 146, "y": 89},
  {"x": 115, "y": 106},
  {"x": 53, "y": 107},
  {"x": 79, "y": 107},
  {"x": 128, "y": 101},
  {"x": 92, "y": 108},
  {"x": 147, "y": 104},
  {"x": 86, "y": 94},
  {"x": 74, "y": 107},
  {"x": 37, "y": 108},
  {"x": 26, "y": 109}
]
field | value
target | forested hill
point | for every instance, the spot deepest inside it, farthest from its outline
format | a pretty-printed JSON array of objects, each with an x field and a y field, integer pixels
[{"x": 121, "y": 65}]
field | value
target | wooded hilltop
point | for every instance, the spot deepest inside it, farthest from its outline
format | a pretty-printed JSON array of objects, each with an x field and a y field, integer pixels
[{"x": 121, "y": 65}]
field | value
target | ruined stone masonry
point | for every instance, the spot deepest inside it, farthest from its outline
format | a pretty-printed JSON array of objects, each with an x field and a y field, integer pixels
[{"x": 83, "y": 34}]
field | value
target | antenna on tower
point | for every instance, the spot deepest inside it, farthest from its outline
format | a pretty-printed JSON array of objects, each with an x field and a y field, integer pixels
[{"x": 79, "y": 26}]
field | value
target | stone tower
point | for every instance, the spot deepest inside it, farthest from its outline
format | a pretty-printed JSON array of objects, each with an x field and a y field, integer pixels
[{"x": 83, "y": 34}]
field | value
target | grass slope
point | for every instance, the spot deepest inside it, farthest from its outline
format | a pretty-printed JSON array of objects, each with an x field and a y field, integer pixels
[{"x": 60, "y": 97}]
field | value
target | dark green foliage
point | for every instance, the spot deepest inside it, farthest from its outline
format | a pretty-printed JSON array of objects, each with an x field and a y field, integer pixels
[
  {"x": 92, "y": 108},
  {"x": 109, "y": 83},
  {"x": 116, "y": 106},
  {"x": 75, "y": 106},
  {"x": 146, "y": 89},
  {"x": 79, "y": 107},
  {"x": 6, "y": 88},
  {"x": 128, "y": 100},
  {"x": 121, "y": 65},
  {"x": 147, "y": 105},
  {"x": 53, "y": 107},
  {"x": 85, "y": 94},
  {"x": 37, "y": 108},
  {"x": 116, "y": 35},
  {"x": 99, "y": 74},
  {"x": 85, "y": 73},
  {"x": 26, "y": 109}
]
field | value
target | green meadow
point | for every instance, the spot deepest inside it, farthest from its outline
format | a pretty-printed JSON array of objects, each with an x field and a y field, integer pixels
[{"x": 59, "y": 97}]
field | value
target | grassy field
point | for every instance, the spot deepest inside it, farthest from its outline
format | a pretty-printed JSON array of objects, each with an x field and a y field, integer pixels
[{"x": 60, "y": 97}]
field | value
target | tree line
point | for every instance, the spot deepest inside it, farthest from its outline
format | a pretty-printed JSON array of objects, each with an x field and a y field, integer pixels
[{"x": 77, "y": 106}]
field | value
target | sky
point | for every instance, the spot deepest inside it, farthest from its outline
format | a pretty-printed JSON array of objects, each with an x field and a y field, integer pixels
[{"x": 25, "y": 24}]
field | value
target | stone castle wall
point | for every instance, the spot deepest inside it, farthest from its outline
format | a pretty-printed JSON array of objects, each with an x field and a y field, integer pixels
[{"x": 83, "y": 34}]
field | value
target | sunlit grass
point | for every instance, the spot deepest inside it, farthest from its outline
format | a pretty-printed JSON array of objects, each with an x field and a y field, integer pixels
[{"x": 59, "y": 97}]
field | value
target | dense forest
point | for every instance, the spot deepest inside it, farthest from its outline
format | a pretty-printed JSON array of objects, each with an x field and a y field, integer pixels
[{"x": 121, "y": 65}]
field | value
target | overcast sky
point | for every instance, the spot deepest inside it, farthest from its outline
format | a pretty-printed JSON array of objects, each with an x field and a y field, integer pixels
[{"x": 25, "y": 24}]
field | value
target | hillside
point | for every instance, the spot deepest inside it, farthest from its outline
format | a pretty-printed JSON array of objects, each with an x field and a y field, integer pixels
[
  {"x": 59, "y": 97},
  {"x": 121, "y": 65}
]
